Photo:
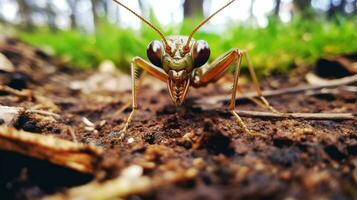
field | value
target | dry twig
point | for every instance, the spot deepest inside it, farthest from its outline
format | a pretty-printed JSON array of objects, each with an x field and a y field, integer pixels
[
  {"x": 79, "y": 157},
  {"x": 45, "y": 113},
  {"x": 308, "y": 116},
  {"x": 271, "y": 93},
  {"x": 73, "y": 134},
  {"x": 130, "y": 182},
  {"x": 23, "y": 93}
]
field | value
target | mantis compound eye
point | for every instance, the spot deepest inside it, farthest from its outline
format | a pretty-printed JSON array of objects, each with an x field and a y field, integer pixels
[
  {"x": 201, "y": 53},
  {"x": 154, "y": 52}
]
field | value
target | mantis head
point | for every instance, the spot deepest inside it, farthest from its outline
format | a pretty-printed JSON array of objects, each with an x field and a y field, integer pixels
[{"x": 178, "y": 63}]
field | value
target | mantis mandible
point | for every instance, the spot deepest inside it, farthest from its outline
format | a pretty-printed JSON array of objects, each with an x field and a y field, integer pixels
[{"x": 181, "y": 62}]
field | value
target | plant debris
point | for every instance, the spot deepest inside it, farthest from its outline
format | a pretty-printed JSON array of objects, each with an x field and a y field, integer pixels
[
  {"x": 130, "y": 182},
  {"x": 80, "y": 157}
]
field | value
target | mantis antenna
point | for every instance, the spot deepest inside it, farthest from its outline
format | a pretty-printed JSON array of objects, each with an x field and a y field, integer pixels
[
  {"x": 187, "y": 46},
  {"x": 167, "y": 47}
]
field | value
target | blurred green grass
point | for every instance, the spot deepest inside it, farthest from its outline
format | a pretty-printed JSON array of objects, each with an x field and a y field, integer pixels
[{"x": 276, "y": 48}]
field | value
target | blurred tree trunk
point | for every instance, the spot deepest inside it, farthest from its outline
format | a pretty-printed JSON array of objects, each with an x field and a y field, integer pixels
[
  {"x": 342, "y": 5},
  {"x": 141, "y": 4},
  {"x": 251, "y": 9},
  {"x": 193, "y": 8},
  {"x": 143, "y": 9},
  {"x": 73, "y": 6},
  {"x": 25, "y": 13},
  {"x": 277, "y": 7},
  {"x": 2, "y": 18},
  {"x": 105, "y": 6},
  {"x": 302, "y": 5},
  {"x": 51, "y": 15},
  {"x": 95, "y": 12},
  {"x": 336, "y": 9}
]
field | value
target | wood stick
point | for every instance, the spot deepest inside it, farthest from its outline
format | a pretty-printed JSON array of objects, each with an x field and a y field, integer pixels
[
  {"x": 271, "y": 93},
  {"x": 130, "y": 182},
  {"x": 308, "y": 116},
  {"x": 80, "y": 157},
  {"x": 45, "y": 113},
  {"x": 23, "y": 93}
]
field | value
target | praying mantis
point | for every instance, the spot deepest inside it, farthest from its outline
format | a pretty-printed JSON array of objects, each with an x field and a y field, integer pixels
[{"x": 181, "y": 62}]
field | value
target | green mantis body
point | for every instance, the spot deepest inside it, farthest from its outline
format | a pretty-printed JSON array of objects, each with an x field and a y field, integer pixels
[{"x": 181, "y": 62}]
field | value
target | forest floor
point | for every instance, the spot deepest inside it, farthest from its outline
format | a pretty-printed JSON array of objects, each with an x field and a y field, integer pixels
[{"x": 196, "y": 151}]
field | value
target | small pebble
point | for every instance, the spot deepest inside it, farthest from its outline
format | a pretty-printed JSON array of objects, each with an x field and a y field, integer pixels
[
  {"x": 199, "y": 163},
  {"x": 114, "y": 134},
  {"x": 308, "y": 131},
  {"x": 102, "y": 123},
  {"x": 191, "y": 173},
  {"x": 87, "y": 122},
  {"x": 89, "y": 128},
  {"x": 133, "y": 171},
  {"x": 285, "y": 175},
  {"x": 130, "y": 140}
]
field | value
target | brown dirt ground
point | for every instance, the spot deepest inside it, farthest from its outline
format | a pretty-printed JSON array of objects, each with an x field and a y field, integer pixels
[{"x": 299, "y": 159}]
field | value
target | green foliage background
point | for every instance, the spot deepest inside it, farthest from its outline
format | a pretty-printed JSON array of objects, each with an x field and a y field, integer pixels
[{"x": 276, "y": 48}]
